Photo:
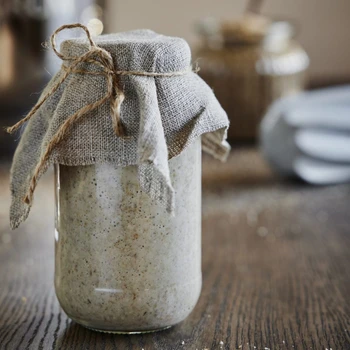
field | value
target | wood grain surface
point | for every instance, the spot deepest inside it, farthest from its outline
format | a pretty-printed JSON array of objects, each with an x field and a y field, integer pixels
[{"x": 276, "y": 269}]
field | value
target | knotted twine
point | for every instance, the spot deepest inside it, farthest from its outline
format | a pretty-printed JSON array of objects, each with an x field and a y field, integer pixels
[{"x": 114, "y": 94}]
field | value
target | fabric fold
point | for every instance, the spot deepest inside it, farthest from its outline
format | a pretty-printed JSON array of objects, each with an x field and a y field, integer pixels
[
  {"x": 152, "y": 152},
  {"x": 26, "y": 156}
]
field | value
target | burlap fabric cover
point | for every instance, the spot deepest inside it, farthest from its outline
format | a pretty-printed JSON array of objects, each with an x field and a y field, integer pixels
[{"x": 161, "y": 116}]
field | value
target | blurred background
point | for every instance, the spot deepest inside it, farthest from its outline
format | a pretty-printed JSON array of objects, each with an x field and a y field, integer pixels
[
  {"x": 254, "y": 54},
  {"x": 275, "y": 215}
]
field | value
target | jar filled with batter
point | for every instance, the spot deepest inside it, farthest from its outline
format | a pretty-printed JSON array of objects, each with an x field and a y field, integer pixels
[
  {"x": 122, "y": 263},
  {"x": 124, "y": 123}
]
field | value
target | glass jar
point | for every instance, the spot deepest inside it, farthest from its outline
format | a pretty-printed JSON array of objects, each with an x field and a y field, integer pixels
[
  {"x": 248, "y": 68},
  {"x": 123, "y": 264}
]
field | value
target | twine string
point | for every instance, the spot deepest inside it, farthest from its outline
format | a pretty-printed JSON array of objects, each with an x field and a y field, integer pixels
[{"x": 114, "y": 94}]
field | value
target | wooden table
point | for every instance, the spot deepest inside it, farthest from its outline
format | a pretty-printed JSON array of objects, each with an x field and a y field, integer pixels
[{"x": 276, "y": 269}]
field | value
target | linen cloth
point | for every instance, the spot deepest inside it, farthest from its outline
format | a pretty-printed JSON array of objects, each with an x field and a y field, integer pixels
[{"x": 161, "y": 116}]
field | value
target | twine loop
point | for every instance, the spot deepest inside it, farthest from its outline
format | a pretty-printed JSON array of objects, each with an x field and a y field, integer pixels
[
  {"x": 70, "y": 26},
  {"x": 103, "y": 60}
]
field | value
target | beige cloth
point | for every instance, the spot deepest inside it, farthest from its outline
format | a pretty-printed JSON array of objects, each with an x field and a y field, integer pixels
[{"x": 161, "y": 116}]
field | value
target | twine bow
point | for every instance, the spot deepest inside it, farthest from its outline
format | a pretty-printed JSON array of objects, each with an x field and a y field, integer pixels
[{"x": 102, "y": 59}]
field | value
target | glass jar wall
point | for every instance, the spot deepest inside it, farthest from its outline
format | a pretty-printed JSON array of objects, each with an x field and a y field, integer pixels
[{"x": 123, "y": 264}]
